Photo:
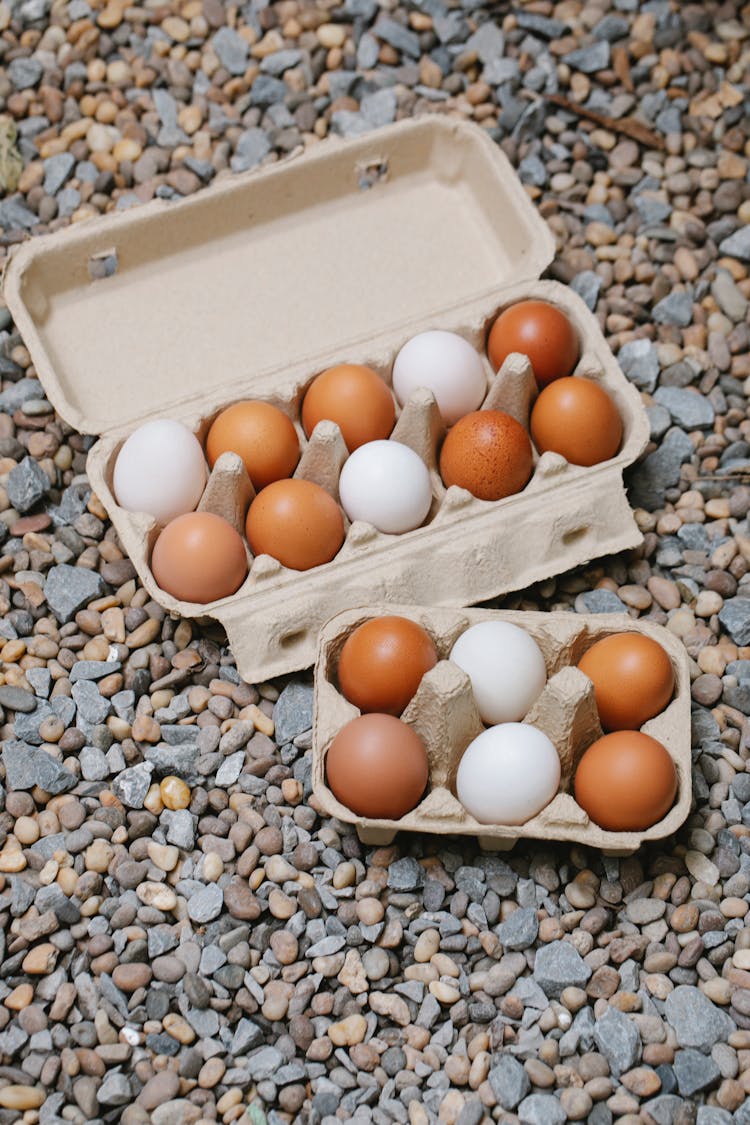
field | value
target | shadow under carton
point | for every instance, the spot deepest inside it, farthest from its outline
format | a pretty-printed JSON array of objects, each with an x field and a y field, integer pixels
[
  {"x": 251, "y": 288},
  {"x": 443, "y": 713}
]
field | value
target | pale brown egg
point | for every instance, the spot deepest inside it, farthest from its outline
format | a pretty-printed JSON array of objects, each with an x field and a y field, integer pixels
[
  {"x": 377, "y": 766},
  {"x": 626, "y": 781},
  {"x": 296, "y": 522},
  {"x": 199, "y": 557},
  {"x": 382, "y": 663},
  {"x": 261, "y": 434},
  {"x": 356, "y": 399},
  {"x": 632, "y": 677}
]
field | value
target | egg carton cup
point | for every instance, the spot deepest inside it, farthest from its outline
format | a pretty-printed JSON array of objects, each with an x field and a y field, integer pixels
[
  {"x": 251, "y": 288},
  {"x": 444, "y": 714}
]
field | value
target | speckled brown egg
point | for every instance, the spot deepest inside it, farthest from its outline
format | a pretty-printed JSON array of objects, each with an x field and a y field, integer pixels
[
  {"x": 377, "y": 766},
  {"x": 488, "y": 453}
]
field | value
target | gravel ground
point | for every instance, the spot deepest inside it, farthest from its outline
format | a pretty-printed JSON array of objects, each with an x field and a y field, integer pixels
[{"x": 205, "y": 947}]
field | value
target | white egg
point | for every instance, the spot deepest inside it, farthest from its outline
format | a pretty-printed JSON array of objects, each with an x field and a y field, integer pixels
[
  {"x": 448, "y": 366},
  {"x": 505, "y": 666},
  {"x": 161, "y": 470},
  {"x": 386, "y": 484},
  {"x": 508, "y": 774}
]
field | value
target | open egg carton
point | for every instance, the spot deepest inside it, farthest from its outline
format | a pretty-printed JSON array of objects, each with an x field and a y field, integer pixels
[
  {"x": 252, "y": 288},
  {"x": 445, "y": 716}
]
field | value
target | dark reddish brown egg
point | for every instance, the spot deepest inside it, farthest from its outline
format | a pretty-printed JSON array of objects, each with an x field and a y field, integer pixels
[
  {"x": 377, "y": 766},
  {"x": 488, "y": 453},
  {"x": 382, "y": 663},
  {"x": 540, "y": 331}
]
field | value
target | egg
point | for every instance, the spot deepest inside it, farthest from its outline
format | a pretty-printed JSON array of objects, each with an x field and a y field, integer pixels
[
  {"x": 377, "y": 766},
  {"x": 508, "y": 774},
  {"x": 448, "y": 366},
  {"x": 632, "y": 677},
  {"x": 488, "y": 453},
  {"x": 199, "y": 557},
  {"x": 626, "y": 781},
  {"x": 577, "y": 419},
  {"x": 540, "y": 331},
  {"x": 160, "y": 470},
  {"x": 382, "y": 663},
  {"x": 387, "y": 485},
  {"x": 296, "y": 522},
  {"x": 505, "y": 666},
  {"x": 262, "y": 435},
  {"x": 356, "y": 399}
]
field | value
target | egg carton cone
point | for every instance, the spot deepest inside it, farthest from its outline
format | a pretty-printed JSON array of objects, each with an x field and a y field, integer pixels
[
  {"x": 444, "y": 715},
  {"x": 251, "y": 288}
]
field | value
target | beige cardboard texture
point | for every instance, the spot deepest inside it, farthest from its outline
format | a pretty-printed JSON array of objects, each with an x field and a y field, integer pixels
[
  {"x": 251, "y": 288},
  {"x": 444, "y": 714}
]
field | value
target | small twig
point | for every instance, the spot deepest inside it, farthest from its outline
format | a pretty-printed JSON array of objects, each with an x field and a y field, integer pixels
[{"x": 629, "y": 126}]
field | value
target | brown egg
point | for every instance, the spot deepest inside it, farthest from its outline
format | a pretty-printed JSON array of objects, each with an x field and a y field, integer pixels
[
  {"x": 199, "y": 557},
  {"x": 488, "y": 453},
  {"x": 577, "y": 419},
  {"x": 632, "y": 677},
  {"x": 540, "y": 331},
  {"x": 626, "y": 781},
  {"x": 377, "y": 767},
  {"x": 382, "y": 663},
  {"x": 356, "y": 399},
  {"x": 261, "y": 434},
  {"x": 296, "y": 522}
]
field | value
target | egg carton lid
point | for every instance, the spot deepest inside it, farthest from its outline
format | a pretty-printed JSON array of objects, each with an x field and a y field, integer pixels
[{"x": 165, "y": 309}]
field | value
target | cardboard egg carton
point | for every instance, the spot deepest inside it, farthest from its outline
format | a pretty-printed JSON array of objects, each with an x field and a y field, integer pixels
[
  {"x": 256, "y": 285},
  {"x": 444, "y": 714}
]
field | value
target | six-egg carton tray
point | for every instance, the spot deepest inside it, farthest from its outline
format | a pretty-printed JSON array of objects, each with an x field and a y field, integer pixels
[
  {"x": 445, "y": 716},
  {"x": 254, "y": 286}
]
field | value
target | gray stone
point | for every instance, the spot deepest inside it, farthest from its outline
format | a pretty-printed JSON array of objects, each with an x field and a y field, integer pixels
[
  {"x": 231, "y": 50},
  {"x": 587, "y": 284},
  {"x": 713, "y": 1115},
  {"x": 509, "y": 1081},
  {"x": 94, "y": 765},
  {"x": 114, "y": 1090},
  {"x": 280, "y": 61},
  {"x": 206, "y": 904},
  {"x": 558, "y": 966},
  {"x": 379, "y": 109},
  {"x": 659, "y": 421},
  {"x": 230, "y": 769},
  {"x": 728, "y": 296},
  {"x": 27, "y": 484},
  {"x": 25, "y": 73},
  {"x": 17, "y": 699},
  {"x": 697, "y": 1022},
  {"x": 533, "y": 171},
  {"x": 399, "y": 37},
  {"x": 93, "y": 669},
  {"x": 70, "y": 588},
  {"x": 326, "y": 946},
  {"x": 252, "y": 146},
  {"x": 649, "y": 480},
  {"x": 292, "y": 713},
  {"x": 676, "y": 308},
  {"x": 689, "y": 409},
  {"x": 612, "y": 27},
  {"x": 14, "y": 215},
  {"x": 487, "y": 42},
  {"x": 93, "y": 708},
  {"x": 53, "y": 898},
  {"x": 180, "y": 828},
  {"x": 57, "y": 170},
  {"x": 264, "y": 1062},
  {"x": 651, "y": 209},
  {"x": 27, "y": 766},
  {"x": 737, "y": 245},
  {"x": 406, "y": 875},
  {"x": 735, "y": 617},
  {"x": 543, "y": 26},
  {"x": 639, "y": 361},
  {"x": 246, "y": 1036},
  {"x": 131, "y": 785},
  {"x": 541, "y": 1109},
  {"x": 180, "y": 761},
  {"x": 14, "y": 396},
  {"x": 589, "y": 59},
  {"x": 665, "y": 1110},
  {"x": 599, "y": 601},
  {"x": 520, "y": 930},
  {"x": 617, "y": 1038},
  {"x": 175, "y": 735},
  {"x": 694, "y": 1071}
]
